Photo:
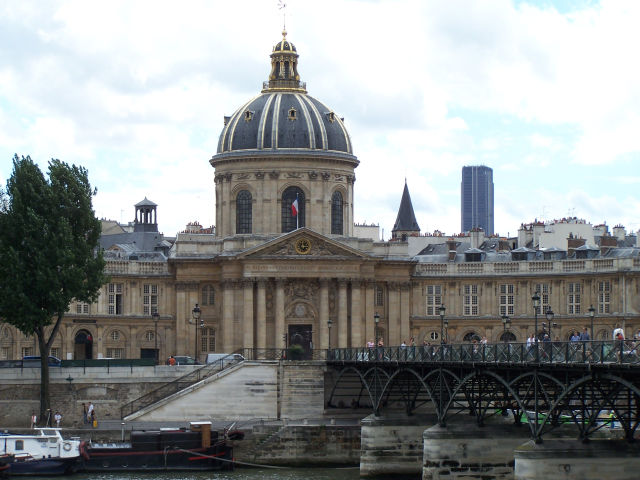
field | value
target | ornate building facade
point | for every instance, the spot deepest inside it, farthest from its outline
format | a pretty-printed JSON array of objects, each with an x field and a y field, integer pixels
[{"x": 285, "y": 264}]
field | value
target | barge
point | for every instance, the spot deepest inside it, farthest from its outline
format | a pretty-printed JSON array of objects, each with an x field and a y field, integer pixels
[{"x": 196, "y": 448}]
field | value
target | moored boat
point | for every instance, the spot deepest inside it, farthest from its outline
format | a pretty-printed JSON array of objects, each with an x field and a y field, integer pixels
[
  {"x": 43, "y": 452},
  {"x": 198, "y": 448}
]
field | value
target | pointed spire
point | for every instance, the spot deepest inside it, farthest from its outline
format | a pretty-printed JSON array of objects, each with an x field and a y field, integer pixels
[{"x": 406, "y": 223}]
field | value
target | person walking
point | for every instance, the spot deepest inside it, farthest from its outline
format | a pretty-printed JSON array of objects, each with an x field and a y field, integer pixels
[
  {"x": 57, "y": 417},
  {"x": 85, "y": 418},
  {"x": 34, "y": 419},
  {"x": 90, "y": 413}
]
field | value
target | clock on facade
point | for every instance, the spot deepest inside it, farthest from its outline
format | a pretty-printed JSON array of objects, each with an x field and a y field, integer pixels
[{"x": 303, "y": 246}]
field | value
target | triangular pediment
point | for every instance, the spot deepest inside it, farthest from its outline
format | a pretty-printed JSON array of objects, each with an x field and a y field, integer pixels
[{"x": 303, "y": 243}]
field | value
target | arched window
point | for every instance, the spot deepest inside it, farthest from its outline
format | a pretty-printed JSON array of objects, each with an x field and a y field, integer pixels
[
  {"x": 243, "y": 212},
  {"x": 336, "y": 213},
  {"x": 507, "y": 337},
  {"x": 289, "y": 220}
]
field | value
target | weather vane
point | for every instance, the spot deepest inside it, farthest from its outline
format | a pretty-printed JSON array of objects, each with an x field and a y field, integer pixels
[{"x": 282, "y": 5}]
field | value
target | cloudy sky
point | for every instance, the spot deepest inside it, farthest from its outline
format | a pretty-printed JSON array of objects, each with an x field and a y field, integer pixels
[{"x": 547, "y": 93}]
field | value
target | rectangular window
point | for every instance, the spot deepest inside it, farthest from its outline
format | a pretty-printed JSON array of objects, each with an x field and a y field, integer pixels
[
  {"x": 573, "y": 298},
  {"x": 26, "y": 351},
  {"x": 434, "y": 299},
  {"x": 604, "y": 297},
  {"x": 208, "y": 340},
  {"x": 379, "y": 296},
  {"x": 115, "y": 298},
  {"x": 149, "y": 298},
  {"x": 470, "y": 300},
  {"x": 4, "y": 353},
  {"x": 115, "y": 352},
  {"x": 55, "y": 352},
  {"x": 544, "y": 291},
  {"x": 82, "y": 308},
  {"x": 507, "y": 299}
]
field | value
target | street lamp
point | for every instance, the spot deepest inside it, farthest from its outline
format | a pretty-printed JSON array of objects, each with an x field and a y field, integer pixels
[
  {"x": 549, "y": 314},
  {"x": 376, "y": 320},
  {"x": 506, "y": 324},
  {"x": 329, "y": 323},
  {"x": 441, "y": 310},
  {"x": 156, "y": 317},
  {"x": 592, "y": 314},
  {"x": 536, "y": 306},
  {"x": 195, "y": 313}
]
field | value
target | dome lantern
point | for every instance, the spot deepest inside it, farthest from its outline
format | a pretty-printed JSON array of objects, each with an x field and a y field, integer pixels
[{"x": 284, "y": 74}]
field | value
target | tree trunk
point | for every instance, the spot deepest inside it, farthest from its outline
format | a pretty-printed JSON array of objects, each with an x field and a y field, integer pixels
[{"x": 45, "y": 400}]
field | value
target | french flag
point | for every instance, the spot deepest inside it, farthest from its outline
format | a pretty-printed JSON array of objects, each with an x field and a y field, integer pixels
[{"x": 294, "y": 207}]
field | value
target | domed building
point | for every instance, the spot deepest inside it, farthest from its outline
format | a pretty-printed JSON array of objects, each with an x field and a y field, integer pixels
[{"x": 285, "y": 265}]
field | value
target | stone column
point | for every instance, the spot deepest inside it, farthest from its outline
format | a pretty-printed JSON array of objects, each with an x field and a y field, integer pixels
[
  {"x": 405, "y": 332},
  {"x": 324, "y": 313},
  {"x": 356, "y": 315},
  {"x": 393, "y": 319},
  {"x": 343, "y": 330},
  {"x": 227, "y": 316},
  {"x": 280, "y": 328},
  {"x": 261, "y": 314},
  {"x": 369, "y": 311},
  {"x": 247, "y": 320}
]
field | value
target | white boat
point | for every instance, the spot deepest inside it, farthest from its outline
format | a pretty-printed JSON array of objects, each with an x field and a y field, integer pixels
[{"x": 43, "y": 452}]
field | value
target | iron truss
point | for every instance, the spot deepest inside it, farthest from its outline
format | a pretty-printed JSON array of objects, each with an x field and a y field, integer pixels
[{"x": 544, "y": 386}]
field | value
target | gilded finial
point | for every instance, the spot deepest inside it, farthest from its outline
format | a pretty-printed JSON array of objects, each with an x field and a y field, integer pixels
[{"x": 284, "y": 34}]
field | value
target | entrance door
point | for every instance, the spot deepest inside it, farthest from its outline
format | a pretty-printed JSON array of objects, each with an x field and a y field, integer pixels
[
  {"x": 302, "y": 335},
  {"x": 83, "y": 346}
]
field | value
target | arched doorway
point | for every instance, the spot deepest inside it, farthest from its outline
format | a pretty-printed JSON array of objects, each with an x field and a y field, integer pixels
[{"x": 83, "y": 345}]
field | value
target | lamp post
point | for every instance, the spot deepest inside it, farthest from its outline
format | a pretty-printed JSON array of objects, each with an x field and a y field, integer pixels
[
  {"x": 549, "y": 315},
  {"x": 376, "y": 320},
  {"x": 506, "y": 324},
  {"x": 592, "y": 314},
  {"x": 156, "y": 317},
  {"x": 195, "y": 313},
  {"x": 536, "y": 306},
  {"x": 441, "y": 310},
  {"x": 329, "y": 323}
]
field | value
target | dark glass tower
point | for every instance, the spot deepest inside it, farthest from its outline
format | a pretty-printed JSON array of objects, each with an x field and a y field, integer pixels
[{"x": 477, "y": 198}]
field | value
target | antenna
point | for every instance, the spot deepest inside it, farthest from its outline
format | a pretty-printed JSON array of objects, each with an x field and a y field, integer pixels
[{"x": 282, "y": 6}]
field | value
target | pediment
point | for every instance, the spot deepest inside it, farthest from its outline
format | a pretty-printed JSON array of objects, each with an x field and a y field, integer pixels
[{"x": 303, "y": 243}]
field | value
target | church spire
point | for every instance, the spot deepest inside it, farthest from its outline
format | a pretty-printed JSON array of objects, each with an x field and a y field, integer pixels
[{"x": 406, "y": 224}]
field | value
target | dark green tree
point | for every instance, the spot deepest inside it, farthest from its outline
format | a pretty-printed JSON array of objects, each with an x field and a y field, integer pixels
[{"x": 49, "y": 254}]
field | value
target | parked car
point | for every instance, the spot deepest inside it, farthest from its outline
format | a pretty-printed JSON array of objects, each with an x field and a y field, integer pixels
[
  {"x": 185, "y": 360},
  {"x": 34, "y": 361}
]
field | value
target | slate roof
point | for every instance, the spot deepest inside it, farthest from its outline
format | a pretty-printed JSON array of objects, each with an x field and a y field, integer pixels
[{"x": 406, "y": 219}]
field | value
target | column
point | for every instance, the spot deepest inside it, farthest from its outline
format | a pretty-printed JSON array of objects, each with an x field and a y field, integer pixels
[
  {"x": 405, "y": 333},
  {"x": 324, "y": 314},
  {"x": 369, "y": 311},
  {"x": 247, "y": 318},
  {"x": 261, "y": 320},
  {"x": 280, "y": 328},
  {"x": 393, "y": 315},
  {"x": 227, "y": 317},
  {"x": 343, "y": 331},
  {"x": 356, "y": 315}
]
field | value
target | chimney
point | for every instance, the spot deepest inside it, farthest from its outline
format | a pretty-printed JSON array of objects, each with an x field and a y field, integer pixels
[
  {"x": 573, "y": 243},
  {"x": 451, "y": 247}
]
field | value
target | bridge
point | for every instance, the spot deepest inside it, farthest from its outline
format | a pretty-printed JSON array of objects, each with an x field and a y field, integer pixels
[{"x": 545, "y": 384}]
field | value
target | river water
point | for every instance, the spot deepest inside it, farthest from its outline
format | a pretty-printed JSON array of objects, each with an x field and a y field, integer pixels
[{"x": 238, "y": 474}]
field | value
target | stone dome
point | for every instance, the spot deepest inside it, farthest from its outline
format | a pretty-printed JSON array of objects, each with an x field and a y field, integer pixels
[{"x": 284, "y": 118}]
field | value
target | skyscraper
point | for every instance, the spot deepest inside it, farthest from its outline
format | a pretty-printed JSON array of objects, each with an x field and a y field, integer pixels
[{"x": 477, "y": 198}]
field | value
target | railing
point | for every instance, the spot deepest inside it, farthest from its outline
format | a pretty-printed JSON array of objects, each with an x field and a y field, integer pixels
[
  {"x": 588, "y": 352},
  {"x": 181, "y": 383},
  {"x": 283, "y": 354}
]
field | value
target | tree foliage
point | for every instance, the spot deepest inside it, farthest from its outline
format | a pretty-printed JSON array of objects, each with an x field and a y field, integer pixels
[{"x": 49, "y": 253}]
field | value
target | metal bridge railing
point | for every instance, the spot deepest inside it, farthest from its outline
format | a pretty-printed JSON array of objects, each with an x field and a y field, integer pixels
[{"x": 587, "y": 352}]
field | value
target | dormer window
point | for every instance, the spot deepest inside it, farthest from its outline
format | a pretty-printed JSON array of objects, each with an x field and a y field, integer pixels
[
  {"x": 248, "y": 115},
  {"x": 293, "y": 114}
]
